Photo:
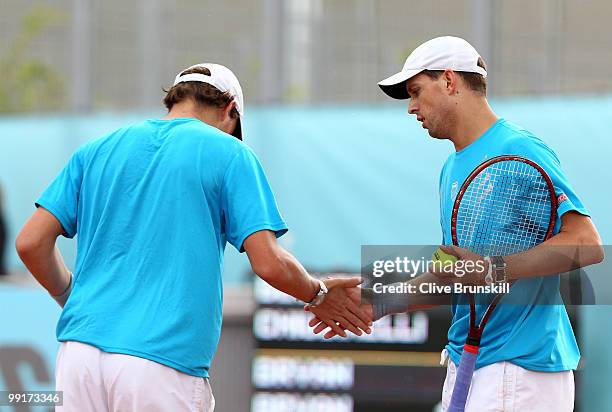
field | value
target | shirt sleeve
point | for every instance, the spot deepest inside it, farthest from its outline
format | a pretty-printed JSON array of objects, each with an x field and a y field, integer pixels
[
  {"x": 567, "y": 199},
  {"x": 61, "y": 198},
  {"x": 247, "y": 201}
]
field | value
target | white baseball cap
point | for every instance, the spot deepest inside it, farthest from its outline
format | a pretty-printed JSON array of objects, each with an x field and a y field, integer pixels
[
  {"x": 441, "y": 53},
  {"x": 220, "y": 78}
]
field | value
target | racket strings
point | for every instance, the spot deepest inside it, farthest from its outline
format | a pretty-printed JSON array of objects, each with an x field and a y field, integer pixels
[{"x": 504, "y": 210}]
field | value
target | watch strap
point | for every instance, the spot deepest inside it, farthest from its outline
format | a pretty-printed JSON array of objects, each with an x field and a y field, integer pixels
[
  {"x": 489, "y": 275},
  {"x": 499, "y": 269},
  {"x": 320, "y": 296}
]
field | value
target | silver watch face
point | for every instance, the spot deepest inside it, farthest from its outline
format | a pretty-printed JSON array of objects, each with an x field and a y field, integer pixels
[
  {"x": 323, "y": 290},
  {"x": 318, "y": 300}
]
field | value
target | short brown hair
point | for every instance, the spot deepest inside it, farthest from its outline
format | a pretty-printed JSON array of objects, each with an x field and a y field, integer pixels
[
  {"x": 203, "y": 94},
  {"x": 474, "y": 81}
]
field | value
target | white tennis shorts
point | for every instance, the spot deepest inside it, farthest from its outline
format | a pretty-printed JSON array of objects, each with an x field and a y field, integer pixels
[
  {"x": 94, "y": 381},
  {"x": 505, "y": 387}
]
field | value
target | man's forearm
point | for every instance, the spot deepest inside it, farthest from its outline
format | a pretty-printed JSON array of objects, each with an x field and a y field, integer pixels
[
  {"x": 47, "y": 266},
  {"x": 576, "y": 245},
  {"x": 561, "y": 253},
  {"x": 289, "y": 276}
]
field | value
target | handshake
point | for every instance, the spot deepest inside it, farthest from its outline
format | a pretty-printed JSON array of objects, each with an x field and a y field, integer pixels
[{"x": 341, "y": 309}]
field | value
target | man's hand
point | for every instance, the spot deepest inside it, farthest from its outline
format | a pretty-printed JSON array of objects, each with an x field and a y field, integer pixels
[
  {"x": 341, "y": 308},
  {"x": 319, "y": 326},
  {"x": 470, "y": 267}
]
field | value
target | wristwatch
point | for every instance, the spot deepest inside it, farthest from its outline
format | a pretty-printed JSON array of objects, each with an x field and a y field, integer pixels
[
  {"x": 320, "y": 296},
  {"x": 500, "y": 274},
  {"x": 489, "y": 275}
]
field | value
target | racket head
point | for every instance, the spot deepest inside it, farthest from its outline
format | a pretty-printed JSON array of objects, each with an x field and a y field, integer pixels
[{"x": 505, "y": 206}]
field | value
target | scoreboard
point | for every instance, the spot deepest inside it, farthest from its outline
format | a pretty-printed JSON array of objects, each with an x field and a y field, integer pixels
[{"x": 396, "y": 368}]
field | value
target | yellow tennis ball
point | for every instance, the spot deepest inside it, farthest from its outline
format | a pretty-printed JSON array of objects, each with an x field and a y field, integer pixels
[{"x": 442, "y": 256}]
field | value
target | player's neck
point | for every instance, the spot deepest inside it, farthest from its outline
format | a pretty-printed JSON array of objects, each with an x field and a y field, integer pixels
[
  {"x": 472, "y": 123},
  {"x": 189, "y": 110}
]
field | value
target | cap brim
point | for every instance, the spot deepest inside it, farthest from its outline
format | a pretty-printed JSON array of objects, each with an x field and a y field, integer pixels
[
  {"x": 395, "y": 86},
  {"x": 238, "y": 130}
]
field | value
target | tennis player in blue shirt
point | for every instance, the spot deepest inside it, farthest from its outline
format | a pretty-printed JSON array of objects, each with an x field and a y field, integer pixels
[
  {"x": 528, "y": 352},
  {"x": 153, "y": 205}
]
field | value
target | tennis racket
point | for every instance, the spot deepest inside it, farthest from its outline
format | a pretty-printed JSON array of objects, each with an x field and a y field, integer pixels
[{"x": 505, "y": 206}]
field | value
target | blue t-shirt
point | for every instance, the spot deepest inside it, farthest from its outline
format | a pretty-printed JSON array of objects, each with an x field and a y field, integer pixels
[
  {"x": 537, "y": 337},
  {"x": 153, "y": 205}
]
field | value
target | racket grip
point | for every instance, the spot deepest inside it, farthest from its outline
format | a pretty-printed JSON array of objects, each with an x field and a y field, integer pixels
[{"x": 467, "y": 364}]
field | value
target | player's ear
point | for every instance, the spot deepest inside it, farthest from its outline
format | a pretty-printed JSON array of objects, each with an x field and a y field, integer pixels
[
  {"x": 450, "y": 79},
  {"x": 227, "y": 110},
  {"x": 229, "y": 122}
]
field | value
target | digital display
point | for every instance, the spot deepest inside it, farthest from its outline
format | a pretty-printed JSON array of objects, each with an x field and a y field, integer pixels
[
  {"x": 291, "y": 324},
  {"x": 294, "y": 372},
  {"x": 395, "y": 368},
  {"x": 296, "y": 402}
]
